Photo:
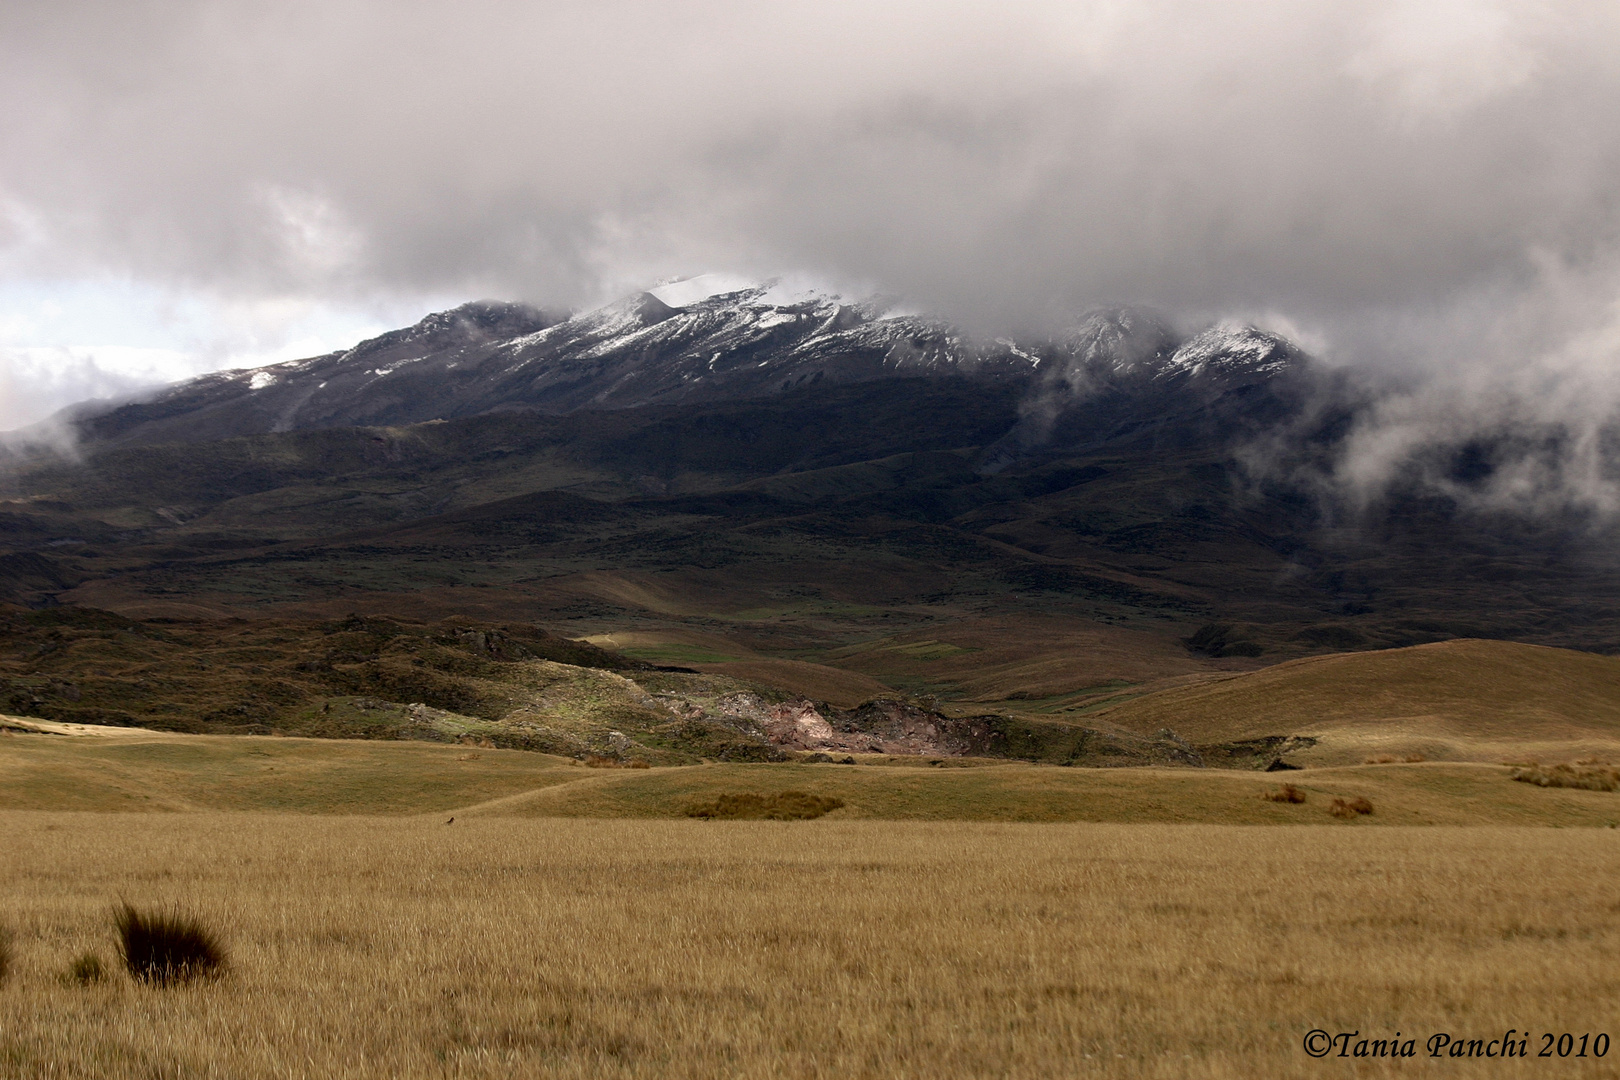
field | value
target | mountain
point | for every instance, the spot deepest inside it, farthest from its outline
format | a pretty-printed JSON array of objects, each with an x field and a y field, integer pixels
[
  {"x": 792, "y": 489},
  {"x": 485, "y": 357},
  {"x": 755, "y": 342}
]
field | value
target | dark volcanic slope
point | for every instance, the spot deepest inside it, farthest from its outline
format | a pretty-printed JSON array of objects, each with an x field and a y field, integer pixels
[
  {"x": 799, "y": 521},
  {"x": 487, "y": 357},
  {"x": 792, "y": 480}
]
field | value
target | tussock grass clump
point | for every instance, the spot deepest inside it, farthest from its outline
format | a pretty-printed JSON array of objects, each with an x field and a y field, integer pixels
[
  {"x": 167, "y": 947},
  {"x": 1288, "y": 793},
  {"x": 785, "y": 806},
  {"x": 1349, "y": 808},
  {"x": 1590, "y": 776},
  {"x": 87, "y": 969},
  {"x": 5, "y": 953}
]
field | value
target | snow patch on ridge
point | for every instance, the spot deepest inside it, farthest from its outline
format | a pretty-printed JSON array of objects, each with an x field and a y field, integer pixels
[{"x": 1233, "y": 348}]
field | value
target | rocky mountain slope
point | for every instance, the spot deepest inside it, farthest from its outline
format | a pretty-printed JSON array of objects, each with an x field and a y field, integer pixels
[{"x": 750, "y": 343}]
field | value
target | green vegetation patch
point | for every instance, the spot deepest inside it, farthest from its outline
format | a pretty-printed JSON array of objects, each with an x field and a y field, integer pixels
[
  {"x": 928, "y": 650},
  {"x": 677, "y": 654}
]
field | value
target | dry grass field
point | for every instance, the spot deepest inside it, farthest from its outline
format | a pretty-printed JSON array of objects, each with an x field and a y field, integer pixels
[
  {"x": 122, "y": 769},
  {"x": 1458, "y": 700},
  {"x": 500, "y": 947},
  {"x": 125, "y": 769},
  {"x": 415, "y": 909}
]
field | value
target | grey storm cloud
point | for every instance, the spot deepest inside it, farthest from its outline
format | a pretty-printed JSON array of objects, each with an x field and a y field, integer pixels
[
  {"x": 1316, "y": 157},
  {"x": 1427, "y": 188}
]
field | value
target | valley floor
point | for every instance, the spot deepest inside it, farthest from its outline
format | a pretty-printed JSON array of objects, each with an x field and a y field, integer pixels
[{"x": 553, "y": 947}]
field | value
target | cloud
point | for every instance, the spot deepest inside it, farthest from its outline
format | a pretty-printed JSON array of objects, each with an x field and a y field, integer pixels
[
  {"x": 37, "y": 382},
  {"x": 65, "y": 343},
  {"x": 1007, "y": 160},
  {"x": 1424, "y": 188}
]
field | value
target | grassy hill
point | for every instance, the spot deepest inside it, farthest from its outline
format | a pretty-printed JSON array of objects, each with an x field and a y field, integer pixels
[
  {"x": 1459, "y": 700},
  {"x": 84, "y": 767},
  {"x": 48, "y": 766}
]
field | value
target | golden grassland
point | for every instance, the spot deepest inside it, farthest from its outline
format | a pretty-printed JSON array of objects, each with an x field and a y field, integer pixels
[
  {"x": 498, "y": 947},
  {"x": 123, "y": 769},
  {"x": 1463, "y": 692},
  {"x": 120, "y": 769},
  {"x": 1401, "y": 795}
]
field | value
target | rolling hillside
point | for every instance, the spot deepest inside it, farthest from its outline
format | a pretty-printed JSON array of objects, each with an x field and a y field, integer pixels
[{"x": 1464, "y": 699}]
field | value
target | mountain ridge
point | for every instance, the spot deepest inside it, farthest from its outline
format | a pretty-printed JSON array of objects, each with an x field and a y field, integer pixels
[{"x": 490, "y": 356}]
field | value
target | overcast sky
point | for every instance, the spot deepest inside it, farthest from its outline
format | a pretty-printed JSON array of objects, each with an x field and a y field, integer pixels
[{"x": 1432, "y": 186}]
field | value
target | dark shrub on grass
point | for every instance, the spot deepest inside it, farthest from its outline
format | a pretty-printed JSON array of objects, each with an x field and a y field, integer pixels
[
  {"x": 785, "y": 806},
  {"x": 87, "y": 969},
  {"x": 5, "y": 953},
  {"x": 1592, "y": 776},
  {"x": 1350, "y": 808},
  {"x": 1288, "y": 793},
  {"x": 166, "y": 948}
]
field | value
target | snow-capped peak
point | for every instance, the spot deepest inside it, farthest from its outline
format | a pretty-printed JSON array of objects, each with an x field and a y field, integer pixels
[
  {"x": 1122, "y": 340},
  {"x": 1231, "y": 349}
]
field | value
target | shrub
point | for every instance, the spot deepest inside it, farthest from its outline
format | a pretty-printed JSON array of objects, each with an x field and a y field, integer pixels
[
  {"x": 1349, "y": 808},
  {"x": 1218, "y": 639},
  {"x": 87, "y": 969},
  {"x": 1392, "y": 759},
  {"x": 5, "y": 953},
  {"x": 165, "y": 948},
  {"x": 1589, "y": 776},
  {"x": 1288, "y": 793},
  {"x": 786, "y": 806}
]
